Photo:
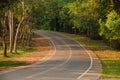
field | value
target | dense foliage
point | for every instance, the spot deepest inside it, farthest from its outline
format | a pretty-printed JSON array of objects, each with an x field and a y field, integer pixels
[
  {"x": 15, "y": 23},
  {"x": 97, "y": 19}
]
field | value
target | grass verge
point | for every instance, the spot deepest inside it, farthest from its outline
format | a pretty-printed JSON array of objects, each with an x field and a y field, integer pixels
[
  {"x": 22, "y": 51},
  {"x": 26, "y": 55},
  {"x": 8, "y": 62},
  {"x": 111, "y": 68},
  {"x": 110, "y": 59}
]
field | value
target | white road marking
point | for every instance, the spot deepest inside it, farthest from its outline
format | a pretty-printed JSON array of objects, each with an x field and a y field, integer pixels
[
  {"x": 91, "y": 59},
  {"x": 79, "y": 77},
  {"x": 45, "y": 59},
  {"x": 70, "y": 55}
]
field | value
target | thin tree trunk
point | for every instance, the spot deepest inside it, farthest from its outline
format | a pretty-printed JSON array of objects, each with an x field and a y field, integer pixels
[
  {"x": 23, "y": 38},
  {"x": 18, "y": 28},
  {"x": 16, "y": 36},
  {"x": 0, "y": 39},
  {"x": 4, "y": 30},
  {"x": 11, "y": 30},
  {"x": 22, "y": 33},
  {"x": 24, "y": 17},
  {"x": 29, "y": 38},
  {"x": 4, "y": 46},
  {"x": 112, "y": 2},
  {"x": 0, "y": 36}
]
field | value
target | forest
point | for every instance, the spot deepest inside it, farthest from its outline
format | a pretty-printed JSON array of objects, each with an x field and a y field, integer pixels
[{"x": 96, "y": 19}]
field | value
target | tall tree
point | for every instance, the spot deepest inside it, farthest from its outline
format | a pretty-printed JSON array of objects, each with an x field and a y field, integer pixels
[
  {"x": 24, "y": 13},
  {"x": 11, "y": 28},
  {"x": 111, "y": 28},
  {"x": 4, "y": 22},
  {"x": 4, "y": 32}
]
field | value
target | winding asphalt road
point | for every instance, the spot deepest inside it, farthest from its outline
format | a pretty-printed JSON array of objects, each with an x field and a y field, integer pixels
[{"x": 69, "y": 61}]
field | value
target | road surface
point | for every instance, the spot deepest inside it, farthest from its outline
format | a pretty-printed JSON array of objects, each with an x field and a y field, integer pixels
[{"x": 69, "y": 61}]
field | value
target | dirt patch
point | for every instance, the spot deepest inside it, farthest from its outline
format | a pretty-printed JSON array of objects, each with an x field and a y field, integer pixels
[{"x": 43, "y": 46}]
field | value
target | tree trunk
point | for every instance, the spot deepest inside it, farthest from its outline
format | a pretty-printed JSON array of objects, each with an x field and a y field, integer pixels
[
  {"x": 111, "y": 44},
  {"x": 4, "y": 31},
  {"x": 112, "y": 2},
  {"x": 4, "y": 46},
  {"x": 22, "y": 31},
  {"x": 88, "y": 32},
  {"x": 29, "y": 37},
  {"x": 16, "y": 36},
  {"x": 19, "y": 25},
  {"x": 11, "y": 30},
  {"x": 0, "y": 41}
]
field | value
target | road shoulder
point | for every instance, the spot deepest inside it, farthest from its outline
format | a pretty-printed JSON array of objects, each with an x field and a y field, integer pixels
[{"x": 43, "y": 48}]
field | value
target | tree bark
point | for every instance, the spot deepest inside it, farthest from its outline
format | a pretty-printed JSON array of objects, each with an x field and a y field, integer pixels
[
  {"x": 4, "y": 31},
  {"x": 4, "y": 46},
  {"x": 0, "y": 41},
  {"x": 29, "y": 38},
  {"x": 19, "y": 25},
  {"x": 112, "y": 2},
  {"x": 24, "y": 18},
  {"x": 16, "y": 36},
  {"x": 11, "y": 28}
]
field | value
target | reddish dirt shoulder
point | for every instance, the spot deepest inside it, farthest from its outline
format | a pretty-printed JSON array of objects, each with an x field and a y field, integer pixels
[{"x": 43, "y": 46}]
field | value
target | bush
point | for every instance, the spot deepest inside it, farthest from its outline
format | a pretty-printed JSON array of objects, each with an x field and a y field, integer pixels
[{"x": 115, "y": 44}]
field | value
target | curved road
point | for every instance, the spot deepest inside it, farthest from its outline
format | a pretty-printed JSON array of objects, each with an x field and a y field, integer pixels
[{"x": 69, "y": 61}]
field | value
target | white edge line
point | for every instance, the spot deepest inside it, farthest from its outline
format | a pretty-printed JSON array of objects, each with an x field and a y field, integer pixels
[
  {"x": 91, "y": 59},
  {"x": 44, "y": 58},
  {"x": 47, "y": 58},
  {"x": 70, "y": 55}
]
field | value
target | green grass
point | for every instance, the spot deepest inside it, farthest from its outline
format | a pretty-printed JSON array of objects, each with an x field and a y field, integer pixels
[
  {"x": 22, "y": 51},
  {"x": 7, "y": 64},
  {"x": 110, "y": 59},
  {"x": 26, "y": 49},
  {"x": 1, "y": 48},
  {"x": 111, "y": 68}
]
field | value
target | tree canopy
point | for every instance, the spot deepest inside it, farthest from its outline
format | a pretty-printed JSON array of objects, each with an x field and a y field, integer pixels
[{"x": 97, "y": 19}]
